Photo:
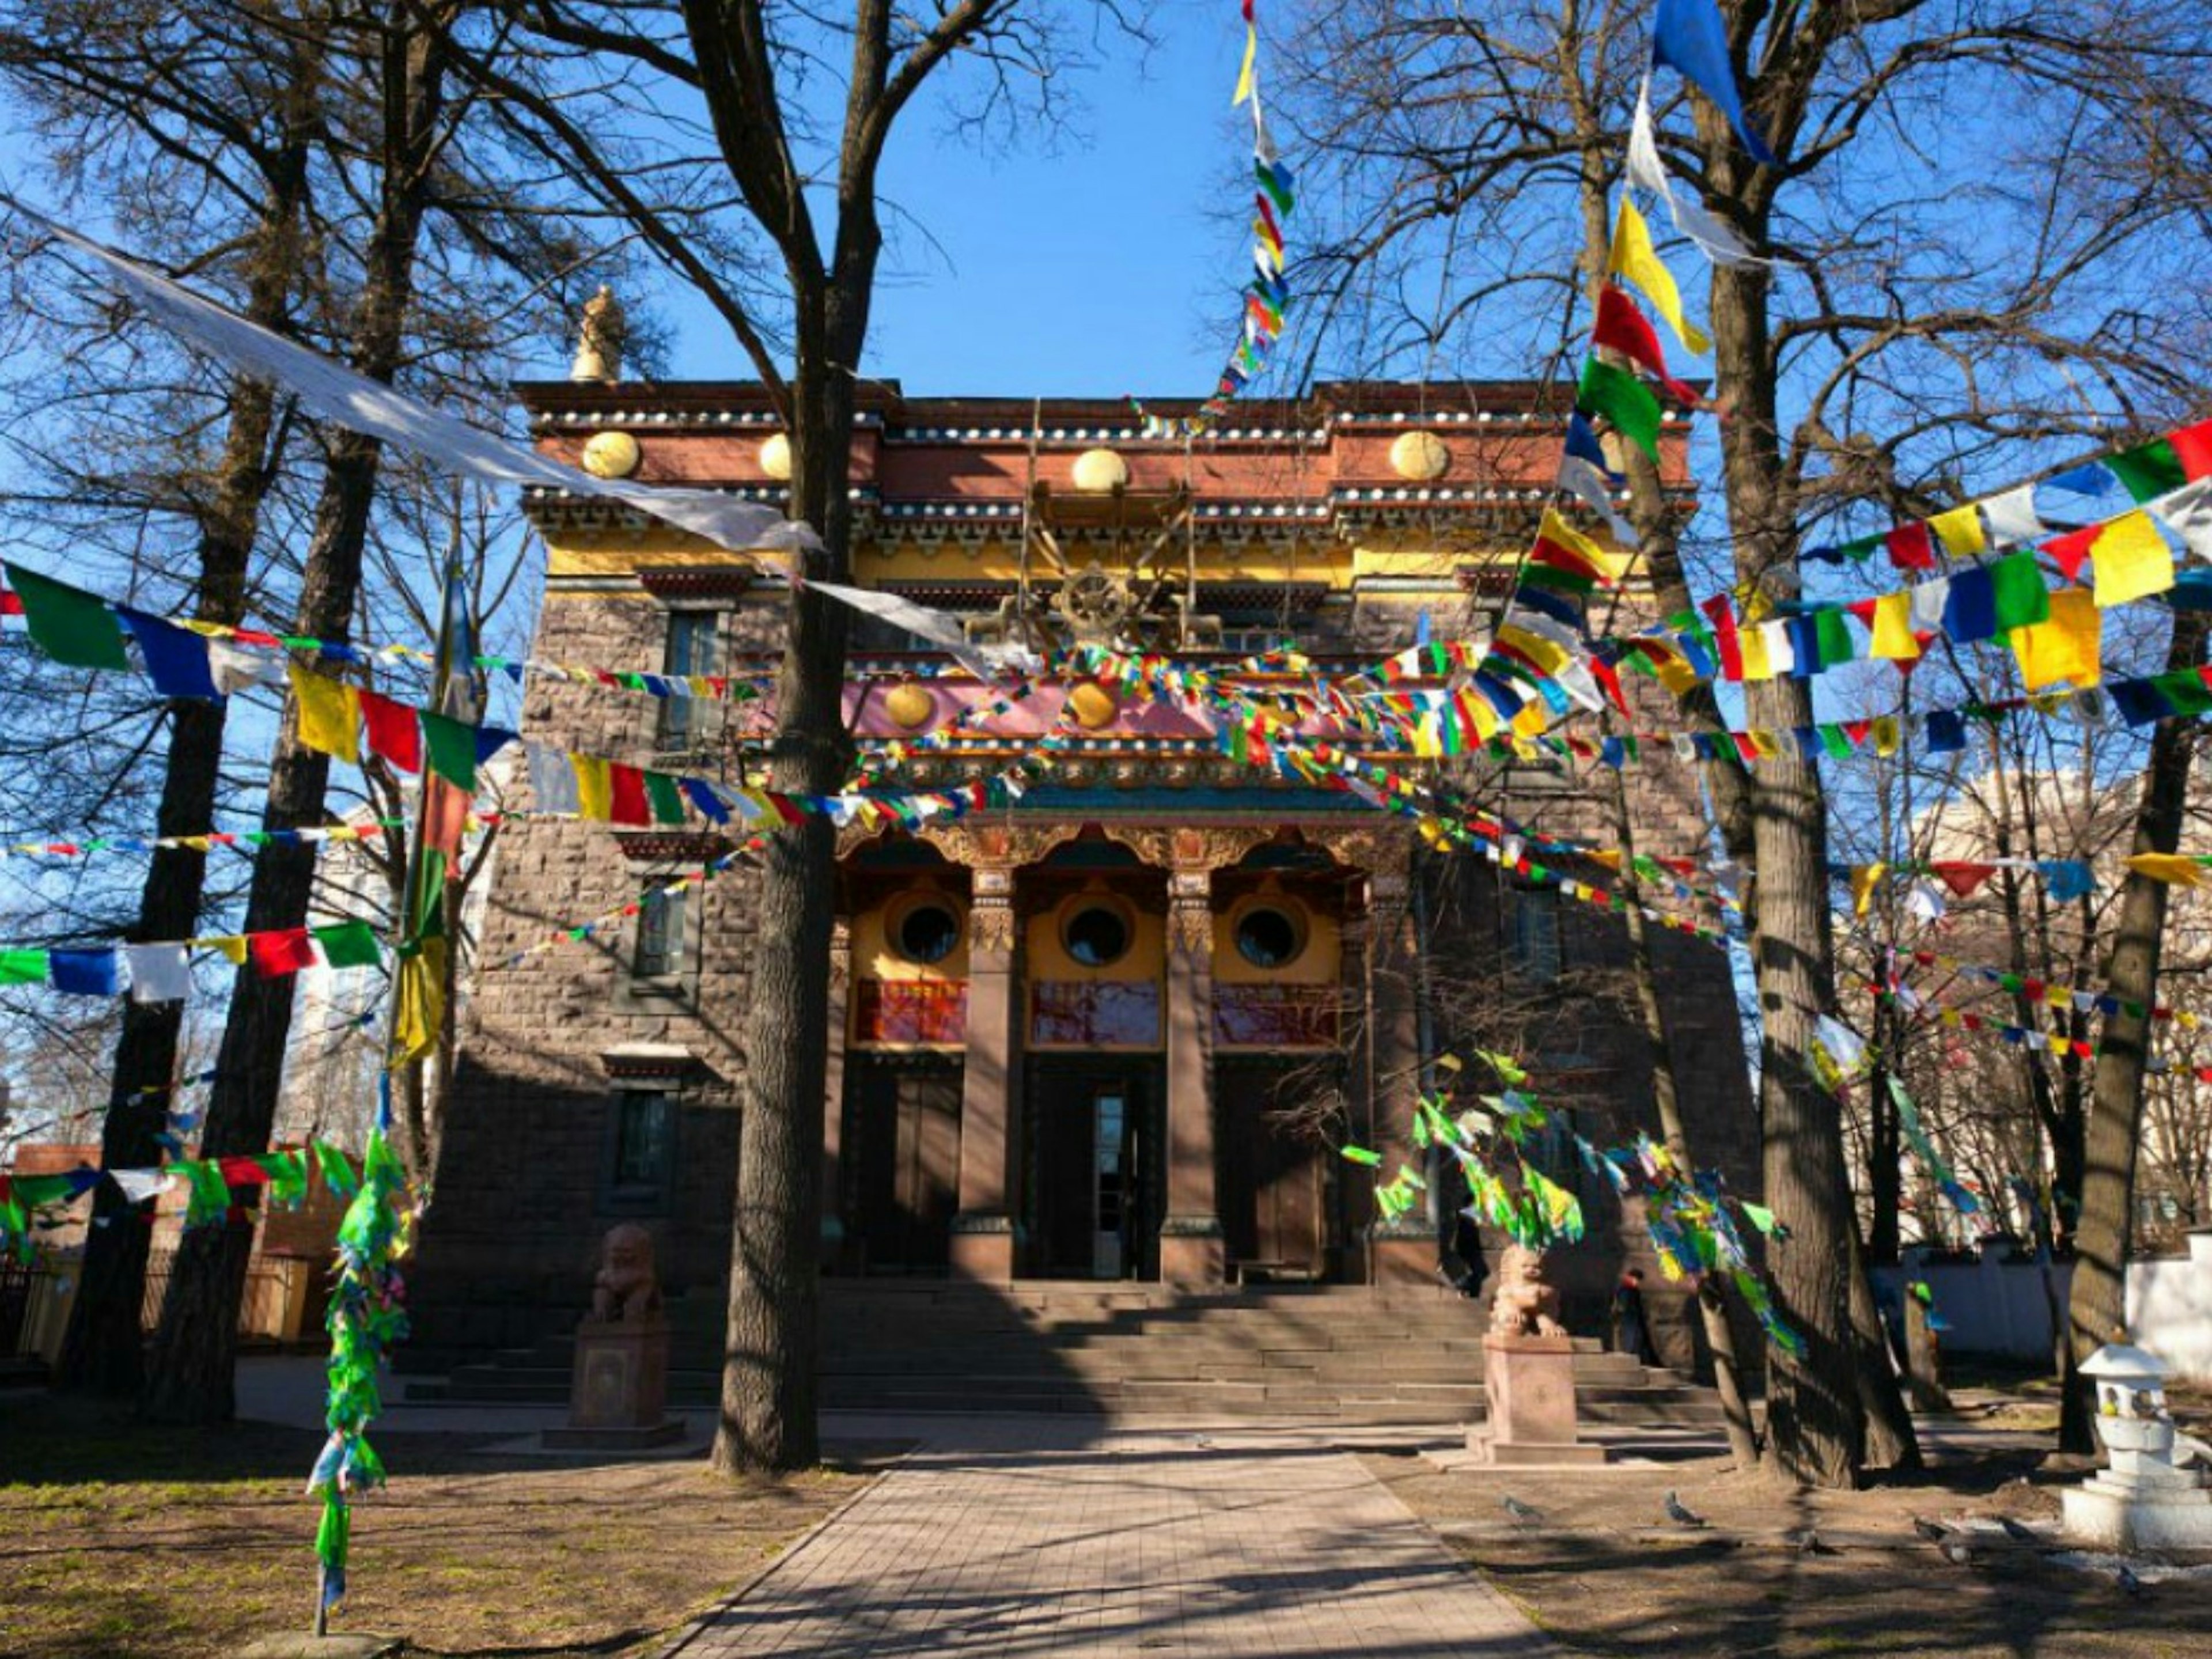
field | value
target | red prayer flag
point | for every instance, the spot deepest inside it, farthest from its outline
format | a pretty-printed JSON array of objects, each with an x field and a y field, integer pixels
[
  {"x": 1964, "y": 879},
  {"x": 626, "y": 789},
  {"x": 2072, "y": 549},
  {"x": 393, "y": 731},
  {"x": 445, "y": 814},
  {"x": 1621, "y": 327},
  {"x": 11, "y": 602},
  {"x": 1609, "y": 679},
  {"x": 2192, "y": 446},
  {"x": 281, "y": 951},
  {"x": 1723, "y": 622},
  {"x": 1910, "y": 547}
]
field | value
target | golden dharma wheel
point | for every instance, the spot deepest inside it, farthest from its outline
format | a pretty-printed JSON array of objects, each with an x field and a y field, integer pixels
[
  {"x": 910, "y": 706},
  {"x": 776, "y": 457},
  {"x": 612, "y": 455},
  {"x": 1094, "y": 706},
  {"x": 1421, "y": 456}
]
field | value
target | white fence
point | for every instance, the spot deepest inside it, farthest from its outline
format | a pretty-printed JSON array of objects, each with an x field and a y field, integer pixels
[{"x": 2004, "y": 1308}]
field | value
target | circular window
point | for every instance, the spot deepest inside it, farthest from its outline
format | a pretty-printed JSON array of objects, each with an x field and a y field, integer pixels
[
  {"x": 1268, "y": 937},
  {"x": 1097, "y": 935},
  {"x": 927, "y": 932}
]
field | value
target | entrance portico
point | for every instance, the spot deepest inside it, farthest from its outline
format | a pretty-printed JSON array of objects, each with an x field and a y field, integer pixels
[{"x": 1105, "y": 999}]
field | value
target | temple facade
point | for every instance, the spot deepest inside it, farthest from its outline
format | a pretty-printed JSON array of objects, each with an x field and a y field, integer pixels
[{"x": 1113, "y": 1028}]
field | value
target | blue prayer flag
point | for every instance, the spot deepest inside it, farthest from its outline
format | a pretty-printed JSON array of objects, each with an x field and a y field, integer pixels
[
  {"x": 1689, "y": 37},
  {"x": 176, "y": 658}
]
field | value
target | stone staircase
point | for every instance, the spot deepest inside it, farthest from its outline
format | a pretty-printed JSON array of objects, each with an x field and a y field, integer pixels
[{"x": 1335, "y": 1353}]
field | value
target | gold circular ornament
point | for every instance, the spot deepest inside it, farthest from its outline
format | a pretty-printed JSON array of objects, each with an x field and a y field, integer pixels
[
  {"x": 612, "y": 455},
  {"x": 1094, "y": 706},
  {"x": 1098, "y": 471},
  {"x": 776, "y": 457},
  {"x": 1421, "y": 456},
  {"x": 910, "y": 706}
]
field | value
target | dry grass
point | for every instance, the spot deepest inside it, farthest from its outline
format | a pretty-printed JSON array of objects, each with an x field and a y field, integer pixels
[
  {"x": 129, "y": 1542},
  {"x": 1607, "y": 1574}
]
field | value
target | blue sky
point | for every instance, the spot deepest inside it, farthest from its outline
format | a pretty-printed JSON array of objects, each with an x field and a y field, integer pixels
[{"x": 1104, "y": 264}]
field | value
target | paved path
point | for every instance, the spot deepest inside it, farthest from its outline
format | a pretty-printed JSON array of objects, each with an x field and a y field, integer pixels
[{"x": 1012, "y": 1538}]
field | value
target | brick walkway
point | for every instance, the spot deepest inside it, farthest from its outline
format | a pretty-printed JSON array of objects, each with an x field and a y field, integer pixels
[{"x": 1012, "y": 1538}]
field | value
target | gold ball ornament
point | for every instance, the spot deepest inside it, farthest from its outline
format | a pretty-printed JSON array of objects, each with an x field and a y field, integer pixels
[
  {"x": 1420, "y": 457},
  {"x": 776, "y": 457},
  {"x": 612, "y": 455},
  {"x": 1098, "y": 471},
  {"x": 1094, "y": 706},
  {"x": 910, "y": 706}
]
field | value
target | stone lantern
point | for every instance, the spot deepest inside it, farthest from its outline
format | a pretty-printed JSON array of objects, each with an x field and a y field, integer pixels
[{"x": 2143, "y": 1501}]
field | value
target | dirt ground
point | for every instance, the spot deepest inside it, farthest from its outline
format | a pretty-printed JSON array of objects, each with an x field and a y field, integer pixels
[
  {"x": 1603, "y": 1569},
  {"x": 128, "y": 1542}
]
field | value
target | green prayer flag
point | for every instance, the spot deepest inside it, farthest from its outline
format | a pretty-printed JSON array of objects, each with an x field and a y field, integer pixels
[
  {"x": 453, "y": 748},
  {"x": 1631, "y": 406},
  {"x": 68, "y": 625},
  {"x": 668, "y": 799},
  {"x": 22, "y": 967},
  {"x": 1360, "y": 1155},
  {"x": 1860, "y": 550},
  {"x": 1835, "y": 742},
  {"x": 1833, "y": 636},
  {"x": 2022, "y": 596},
  {"x": 1759, "y": 1218},
  {"x": 2150, "y": 470},
  {"x": 337, "y": 1172},
  {"x": 348, "y": 944},
  {"x": 2183, "y": 692}
]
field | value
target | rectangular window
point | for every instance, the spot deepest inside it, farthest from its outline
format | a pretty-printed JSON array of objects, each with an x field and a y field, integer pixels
[
  {"x": 660, "y": 952},
  {"x": 692, "y": 641},
  {"x": 902, "y": 1010},
  {"x": 1535, "y": 938},
  {"x": 1094, "y": 1014},
  {"x": 644, "y": 1121}
]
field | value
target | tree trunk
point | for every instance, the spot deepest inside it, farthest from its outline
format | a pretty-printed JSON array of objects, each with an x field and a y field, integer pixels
[
  {"x": 103, "y": 1350},
  {"x": 1885, "y": 1153},
  {"x": 767, "y": 1398},
  {"x": 2097, "y": 1311},
  {"x": 1713, "y": 1306},
  {"x": 1815, "y": 1431},
  {"x": 196, "y": 1348},
  {"x": 1891, "y": 1443}
]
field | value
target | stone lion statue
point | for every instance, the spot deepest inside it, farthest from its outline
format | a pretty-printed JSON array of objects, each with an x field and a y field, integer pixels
[
  {"x": 626, "y": 1286},
  {"x": 1525, "y": 1305}
]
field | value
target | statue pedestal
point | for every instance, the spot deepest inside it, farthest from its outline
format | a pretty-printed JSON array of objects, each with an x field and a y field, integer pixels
[
  {"x": 1530, "y": 1381},
  {"x": 618, "y": 1392},
  {"x": 2142, "y": 1502}
]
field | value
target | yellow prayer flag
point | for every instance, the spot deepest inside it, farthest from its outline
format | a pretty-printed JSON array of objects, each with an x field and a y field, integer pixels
[
  {"x": 2132, "y": 560},
  {"x": 595, "y": 793},
  {"x": 1532, "y": 719},
  {"x": 1428, "y": 742},
  {"x": 1544, "y": 654},
  {"x": 1634, "y": 258},
  {"x": 1752, "y": 643},
  {"x": 1244, "y": 75},
  {"x": 1865, "y": 879},
  {"x": 2066, "y": 647},
  {"x": 1887, "y": 734},
  {"x": 1893, "y": 628},
  {"x": 330, "y": 714},
  {"x": 1677, "y": 676},
  {"x": 2171, "y": 867},
  {"x": 1765, "y": 743},
  {"x": 1960, "y": 530},
  {"x": 1609, "y": 857},
  {"x": 1553, "y": 528},
  {"x": 233, "y": 946},
  {"x": 422, "y": 1002},
  {"x": 2058, "y": 1041}
]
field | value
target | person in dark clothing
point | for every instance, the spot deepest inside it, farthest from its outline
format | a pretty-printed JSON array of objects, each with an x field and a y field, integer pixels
[
  {"x": 1460, "y": 1262},
  {"x": 1632, "y": 1332}
]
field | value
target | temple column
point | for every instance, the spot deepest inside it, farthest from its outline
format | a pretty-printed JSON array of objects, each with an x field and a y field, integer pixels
[
  {"x": 1403, "y": 1251},
  {"x": 836, "y": 1254},
  {"x": 983, "y": 1231},
  {"x": 1192, "y": 1251}
]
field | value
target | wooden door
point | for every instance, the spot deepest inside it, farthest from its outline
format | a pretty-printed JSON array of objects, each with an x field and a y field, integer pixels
[
  {"x": 1271, "y": 1182},
  {"x": 906, "y": 1151}
]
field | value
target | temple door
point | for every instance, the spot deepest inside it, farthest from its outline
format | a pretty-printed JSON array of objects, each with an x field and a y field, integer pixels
[
  {"x": 1271, "y": 1200},
  {"x": 908, "y": 1157}
]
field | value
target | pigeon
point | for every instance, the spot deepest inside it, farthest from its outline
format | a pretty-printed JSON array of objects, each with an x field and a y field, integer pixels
[
  {"x": 1520, "y": 1511},
  {"x": 1957, "y": 1553},
  {"x": 1929, "y": 1530},
  {"x": 2017, "y": 1533},
  {"x": 2127, "y": 1581},
  {"x": 1680, "y": 1516},
  {"x": 1808, "y": 1543}
]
